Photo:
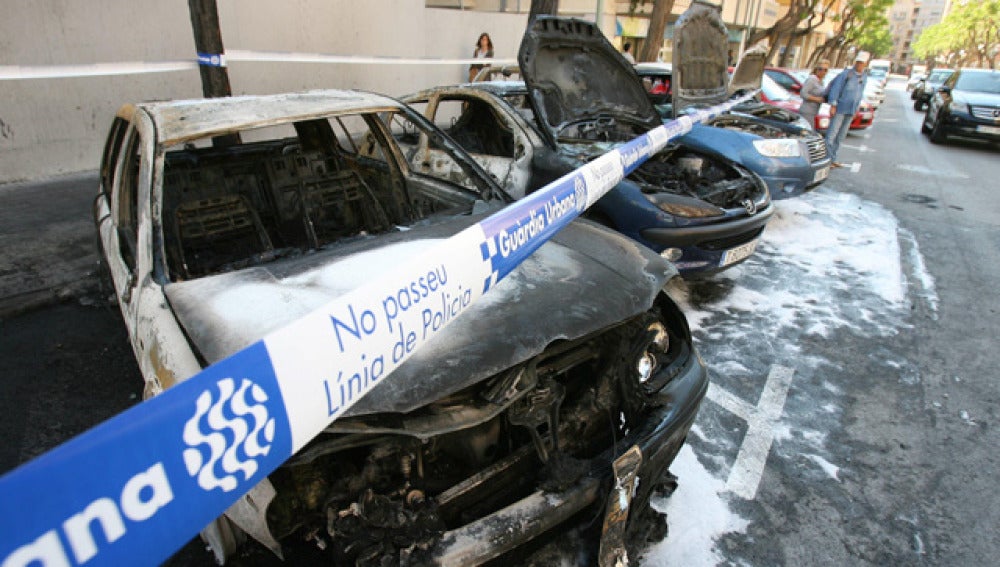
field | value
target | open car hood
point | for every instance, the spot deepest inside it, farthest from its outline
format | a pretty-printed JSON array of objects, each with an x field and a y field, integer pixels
[
  {"x": 749, "y": 72},
  {"x": 573, "y": 74},
  {"x": 559, "y": 292},
  {"x": 700, "y": 59}
]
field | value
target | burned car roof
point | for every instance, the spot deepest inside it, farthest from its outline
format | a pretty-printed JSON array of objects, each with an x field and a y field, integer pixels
[{"x": 182, "y": 120}]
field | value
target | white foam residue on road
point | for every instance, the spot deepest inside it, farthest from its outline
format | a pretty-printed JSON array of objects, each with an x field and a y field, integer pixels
[
  {"x": 819, "y": 248},
  {"x": 832, "y": 470},
  {"x": 827, "y": 262},
  {"x": 919, "y": 268},
  {"x": 697, "y": 514}
]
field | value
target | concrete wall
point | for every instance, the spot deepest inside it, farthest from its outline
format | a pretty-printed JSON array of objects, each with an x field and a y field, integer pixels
[{"x": 55, "y": 126}]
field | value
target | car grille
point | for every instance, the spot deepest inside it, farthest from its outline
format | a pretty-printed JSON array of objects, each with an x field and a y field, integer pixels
[
  {"x": 986, "y": 112},
  {"x": 817, "y": 149},
  {"x": 732, "y": 241}
]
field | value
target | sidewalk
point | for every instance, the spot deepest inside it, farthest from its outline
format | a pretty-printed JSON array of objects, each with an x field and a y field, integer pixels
[{"x": 48, "y": 249}]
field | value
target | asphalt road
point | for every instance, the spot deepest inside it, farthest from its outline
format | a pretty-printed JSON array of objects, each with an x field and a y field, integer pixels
[
  {"x": 851, "y": 421},
  {"x": 883, "y": 441}
]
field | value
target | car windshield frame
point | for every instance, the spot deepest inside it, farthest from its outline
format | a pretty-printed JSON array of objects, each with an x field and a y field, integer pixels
[
  {"x": 979, "y": 82},
  {"x": 939, "y": 76}
]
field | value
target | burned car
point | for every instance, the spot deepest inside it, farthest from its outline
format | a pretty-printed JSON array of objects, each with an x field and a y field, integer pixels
[
  {"x": 775, "y": 144},
  {"x": 579, "y": 99},
  {"x": 224, "y": 219}
]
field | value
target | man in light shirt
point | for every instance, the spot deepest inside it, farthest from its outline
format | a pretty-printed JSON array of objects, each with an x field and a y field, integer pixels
[{"x": 844, "y": 95}]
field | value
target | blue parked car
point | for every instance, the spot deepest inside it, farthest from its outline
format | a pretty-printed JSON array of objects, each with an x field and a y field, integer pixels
[
  {"x": 775, "y": 143},
  {"x": 579, "y": 99}
]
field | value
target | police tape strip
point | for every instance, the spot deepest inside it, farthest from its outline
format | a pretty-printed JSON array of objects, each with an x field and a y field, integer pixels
[
  {"x": 137, "y": 487},
  {"x": 17, "y": 72}
]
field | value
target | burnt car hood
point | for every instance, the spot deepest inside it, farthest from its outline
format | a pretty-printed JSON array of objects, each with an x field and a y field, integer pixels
[
  {"x": 749, "y": 72},
  {"x": 700, "y": 58},
  {"x": 559, "y": 292},
  {"x": 573, "y": 74}
]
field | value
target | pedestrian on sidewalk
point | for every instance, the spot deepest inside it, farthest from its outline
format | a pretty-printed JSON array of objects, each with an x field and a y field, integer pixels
[
  {"x": 627, "y": 53},
  {"x": 484, "y": 50},
  {"x": 814, "y": 92},
  {"x": 844, "y": 96}
]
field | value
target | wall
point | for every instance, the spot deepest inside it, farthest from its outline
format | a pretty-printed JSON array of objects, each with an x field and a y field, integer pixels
[{"x": 55, "y": 126}]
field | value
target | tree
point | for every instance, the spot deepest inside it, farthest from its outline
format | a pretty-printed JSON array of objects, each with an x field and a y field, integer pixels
[
  {"x": 969, "y": 34},
  {"x": 863, "y": 26},
  {"x": 657, "y": 24},
  {"x": 802, "y": 17}
]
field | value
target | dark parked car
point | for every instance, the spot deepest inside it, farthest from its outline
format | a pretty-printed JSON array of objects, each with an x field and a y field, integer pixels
[
  {"x": 580, "y": 98},
  {"x": 966, "y": 105},
  {"x": 574, "y": 378},
  {"x": 924, "y": 89}
]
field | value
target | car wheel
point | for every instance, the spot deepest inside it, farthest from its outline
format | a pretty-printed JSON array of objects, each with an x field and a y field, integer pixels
[
  {"x": 924, "y": 128},
  {"x": 937, "y": 132},
  {"x": 918, "y": 105}
]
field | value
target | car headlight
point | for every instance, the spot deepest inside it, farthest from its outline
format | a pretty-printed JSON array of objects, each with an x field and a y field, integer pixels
[
  {"x": 778, "y": 148},
  {"x": 683, "y": 207}
]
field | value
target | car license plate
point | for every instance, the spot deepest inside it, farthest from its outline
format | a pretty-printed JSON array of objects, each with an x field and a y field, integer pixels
[
  {"x": 866, "y": 115},
  {"x": 741, "y": 252},
  {"x": 995, "y": 130},
  {"x": 821, "y": 174}
]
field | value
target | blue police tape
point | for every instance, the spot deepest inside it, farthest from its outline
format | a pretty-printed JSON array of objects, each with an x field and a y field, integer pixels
[
  {"x": 137, "y": 487},
  {"x": 211, "y": 59}
]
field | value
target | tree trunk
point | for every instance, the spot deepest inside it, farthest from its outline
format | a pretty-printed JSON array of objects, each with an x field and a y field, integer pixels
[
  {"x": 543, "y": 8},
  {"x": 783, "y": 62},
  {"x": 208, "y": 44},
  {"x": 657, "y": 24}
]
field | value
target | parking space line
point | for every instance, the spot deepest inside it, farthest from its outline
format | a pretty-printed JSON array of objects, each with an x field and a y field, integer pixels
[{"x": 747, "y": 471}]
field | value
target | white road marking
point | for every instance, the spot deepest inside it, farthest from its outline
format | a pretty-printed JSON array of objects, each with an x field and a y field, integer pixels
[
  {"x": 744, "y": 478},
  {"x": 862, "y": 148},
  {"x": 855, "y": 167},
  {"x": 923, "y": 170}
]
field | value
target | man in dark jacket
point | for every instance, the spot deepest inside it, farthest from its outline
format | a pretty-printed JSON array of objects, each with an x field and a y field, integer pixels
[{"x": 844, "y": 96}]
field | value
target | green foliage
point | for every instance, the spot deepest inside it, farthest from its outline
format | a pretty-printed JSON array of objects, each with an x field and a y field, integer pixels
[
  {"x": 969, "y": 33},
  {"x": 870, "y": 31}
]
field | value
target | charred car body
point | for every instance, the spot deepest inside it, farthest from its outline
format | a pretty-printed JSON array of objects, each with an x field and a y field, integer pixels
[
  {"x": 579, "y": 99},
  {"x": 575, "y": 372},
  {"x": 776, "y": 144}
]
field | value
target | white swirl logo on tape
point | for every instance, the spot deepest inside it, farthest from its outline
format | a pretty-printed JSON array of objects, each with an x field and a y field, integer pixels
[{"x": 249, "y": 440}]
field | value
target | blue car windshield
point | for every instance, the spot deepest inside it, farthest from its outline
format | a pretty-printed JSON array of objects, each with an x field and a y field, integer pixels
[{"x": 939, "y": 76}]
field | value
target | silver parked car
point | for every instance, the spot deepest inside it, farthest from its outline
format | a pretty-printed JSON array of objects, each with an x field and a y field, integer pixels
[{"x": 221, "y": 220}]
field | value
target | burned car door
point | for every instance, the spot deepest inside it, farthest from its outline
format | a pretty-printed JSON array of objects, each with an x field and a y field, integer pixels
[{"x": 124, "y": 216}]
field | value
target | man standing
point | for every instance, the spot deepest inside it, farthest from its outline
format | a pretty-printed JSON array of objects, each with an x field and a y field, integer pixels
[{"x": 844, "y": 96}]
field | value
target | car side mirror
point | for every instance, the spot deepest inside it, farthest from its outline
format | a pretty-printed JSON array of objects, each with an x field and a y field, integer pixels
[{"x": 796, "y": 89}]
